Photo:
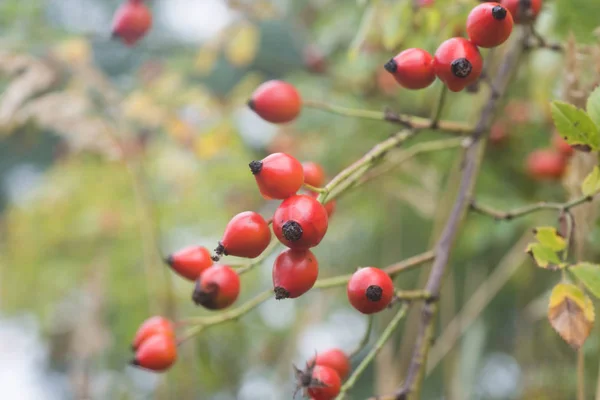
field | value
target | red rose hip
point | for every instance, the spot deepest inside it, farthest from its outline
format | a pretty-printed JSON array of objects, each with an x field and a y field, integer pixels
[
  {"x": 325, "y": 383},
  {"x": 190, "y": 262},
  {"x": 276, "y": 101},
  {"x": 562, "y": 146},
  {"x": 370, "y": 290},
  {"x": 523, "y": 10},
  {"x": 278, "y": 175},
  {"x": 157, "y": 353},
  {"x": 314, "y": 175},
  {"x": 489, "y": 25},
  {"x": 546, "y": 164},
  {"x": 246, "y": 235},
  {"x": 217, "y": 288},
  {"x": 335, "y": 359},
  {"x": 294, "y": 273},
  {"x": 412, "y": 69},
  {"x": 458, "y": 63},
  {"x": 150, "y": 327},
  {"x": 131, "y": 22},
  {"x": 300, "y": 222}
]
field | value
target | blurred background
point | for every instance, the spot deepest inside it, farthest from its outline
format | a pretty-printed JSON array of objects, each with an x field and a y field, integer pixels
[{"x": 112, "y": 157}]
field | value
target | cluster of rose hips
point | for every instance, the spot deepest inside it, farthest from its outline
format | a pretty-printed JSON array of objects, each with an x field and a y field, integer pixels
[{"x": 457, "y": 62}]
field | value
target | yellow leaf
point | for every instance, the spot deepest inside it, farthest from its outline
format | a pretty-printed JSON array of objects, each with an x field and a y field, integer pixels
[
  {"x": 571, "y": 314},
  {"x": 242, "y": 45},
  {"x": 141, "y": 108},
  {"x": 74, "y": 51},
  {"x": 591, "y": 183}
]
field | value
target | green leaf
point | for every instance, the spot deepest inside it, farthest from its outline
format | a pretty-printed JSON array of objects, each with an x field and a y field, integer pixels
[
  {"x": 589, "y": 275},
  {"x": 544, "y": 256},
  {"x": 549, "y": 237},
  {"x": 591, "y": 183},
  {"x": 575, "y": 125},
  {"x": 593, "y": 106}
]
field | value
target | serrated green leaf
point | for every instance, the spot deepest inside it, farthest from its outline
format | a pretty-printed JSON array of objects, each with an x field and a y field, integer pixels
[
  {"x": 591, "y": 183},
  {"x": 589, "y": 275},
  {"x": 549, "y": 237},
  {"x": 575, "y": 126},
  {"x": 593, "y": 106},
  {"x": 544, "y": 256}
]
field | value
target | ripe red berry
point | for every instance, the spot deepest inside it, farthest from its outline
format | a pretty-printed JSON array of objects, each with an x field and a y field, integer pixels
[
  {"x": 156, "y": 353},
  {"x": 278, "y": 175},
  {"x": 523, "y": 10},
  {"x": 335, "y": 359},
  {"x": 498, "y": 133},
  {"x": 562, "y": 146},
  {"x": 370, "y": 290},
  {"x": 489, "y": 25},
  {"x": 150, "y": 327},
  {"x": 325, "y": 384},
  {"x": 294, "y": 273},
  {"x": 218, "y": 287},
  {"x": 276, "y": 101},
  {"x": 300, "y": 222},
  {"x": 314, "y": 175},
  {"x": 546, "y": 164},
  {"x": 412, "y": 69},
  {"x": 131, "y": 22},
  {"x": 246, "y": 235},
  {"x": 330, "y": 205},
  {"x": 458, "y": 63},
  {"x": 190, "y": 262}
]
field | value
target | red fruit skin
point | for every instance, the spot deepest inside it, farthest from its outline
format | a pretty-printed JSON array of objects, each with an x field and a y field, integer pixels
[
  {"x": 453, "y": 50},
  {"x": 489, "y": 25},
  {"x": 294, "y": 273},
  {"x": 302, "y": 211},
  {"x": 246, "y": 235},
  {"x": 276, "y": 101},
  {"x": 546, "y": 164},
  {"x": 513, "y": 7},
  {"x": 217, "y": 288},
  {"x": 330, "y": 205},
  {"x": 498, "y": 133},
  {"x": 335, "y": 359},
  {"x": 131, "y": 22},
  {"x": 156, "y": 353},
  {"x": 562, "y": 146},
  {"x": 412, "y": 69},
  {"x": 156, "y": 325},
  {"x": 190, "y": 262},
  {"x": 278, "y": 175},
  {"x": 362, "y": 282},
  {"x": 330, "y": 381},
  {"x": 314, "y": 175}
]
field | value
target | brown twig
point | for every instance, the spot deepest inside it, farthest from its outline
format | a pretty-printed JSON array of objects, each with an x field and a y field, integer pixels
[{"x": 470, "y": 167}]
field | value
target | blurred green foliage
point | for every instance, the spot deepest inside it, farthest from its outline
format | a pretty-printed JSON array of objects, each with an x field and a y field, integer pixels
[{"x": 87, "y": 225}]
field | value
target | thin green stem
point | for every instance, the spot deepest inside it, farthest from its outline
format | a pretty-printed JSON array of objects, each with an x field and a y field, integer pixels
[
  {"x": 315, "y": 189},
  {"x": 243, "y": 268},
  {"x": 365, "y": 339},
  {"x": 411, "y": 295},
  {"x": 409, "y": 121},
  {"x": 385, "y": 336},
  {"x": 356, "y": 170},
  {"x": 439, "y": 108},
  {"x": 526, "y": 210}
]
